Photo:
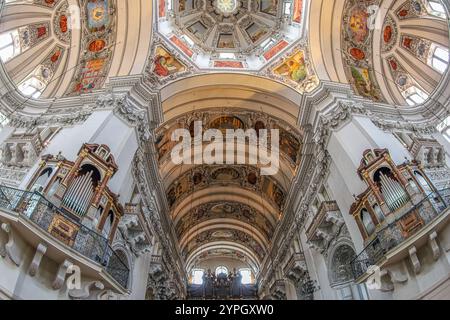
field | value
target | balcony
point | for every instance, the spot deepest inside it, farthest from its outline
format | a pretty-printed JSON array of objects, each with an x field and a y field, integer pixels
[
  {"x": 30, "y": 211},
  {"x": 295, "y": 269},
  {"x": 393, "y": 242},
  {"x": 325, "y": 226}
]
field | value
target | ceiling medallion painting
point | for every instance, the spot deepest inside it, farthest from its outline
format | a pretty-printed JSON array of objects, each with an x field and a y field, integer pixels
[
  {"x": 230, "y": 34},
  {"x": 61, "y": 23},
  {"x": 295, "y": 69}
]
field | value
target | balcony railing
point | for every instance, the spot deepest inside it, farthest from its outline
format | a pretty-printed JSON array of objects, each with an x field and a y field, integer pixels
[
  {"x": 44, "y": 214},
  {"x": 394, "y": 234}
]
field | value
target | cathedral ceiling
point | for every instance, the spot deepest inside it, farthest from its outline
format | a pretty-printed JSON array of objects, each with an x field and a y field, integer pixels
[
  {"x": 383, "y": 48},
  {"x": 232, "y": 64},
  {"x": 70, "y": 47},
  {"x": 232, "y": 205}
]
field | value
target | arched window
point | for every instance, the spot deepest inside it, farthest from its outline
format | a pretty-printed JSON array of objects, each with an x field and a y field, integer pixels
[
  {"x": 54, "y": 186},
  {"x": 436, "y": 8},
  {"x": 423, "y": 183},
  {"x": 197, "y": 276},
  {"x": 32, "y": 87},
  {"x": 439, "y": 58},
  {"x": 42, "y": 180},
  {"x": 367, "y": 221},
  {"x": 221, "y": 269},
  {"x": 246, "y": 275},
  {"x": 415, "y": 96},
  {"x": 98, "y": 216},
  {"x": 340, "y": 268},
  {"x": 9, "y": 45}
]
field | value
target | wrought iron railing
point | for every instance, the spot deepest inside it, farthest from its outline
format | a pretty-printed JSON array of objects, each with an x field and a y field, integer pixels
[
  {"x": 393, "y": 235},
  {"x": 36, "y": 208}
]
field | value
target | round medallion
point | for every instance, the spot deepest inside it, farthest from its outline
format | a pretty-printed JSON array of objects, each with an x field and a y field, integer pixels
[{"x": 226, "y": 6}]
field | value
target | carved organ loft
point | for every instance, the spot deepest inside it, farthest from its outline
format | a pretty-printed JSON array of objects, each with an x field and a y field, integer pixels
[{"x": 355, "y": 105}]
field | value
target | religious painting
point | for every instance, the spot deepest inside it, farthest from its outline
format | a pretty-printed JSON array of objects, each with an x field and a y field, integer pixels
[
  {"x": 162, "y": 8},
  {"x": 97, "y": 45},
  {"x": 97, "y": 14},
  {"x": 273, "y": 192},
  {"x": 289, "y": 145},
  {"x": 297, "y": 12},
  {"x": 165, "y": 64},
  {"x": 63, "y": 23},
  {"x": 294, "y": 68},
  {"x": 358, "y": 23},
  {"x": 356, "y": 53},
  {"x": 387, "y": 33},
  {"x": 363, "y": 83},
  {"x": 182, "y": 46},
  {"x": 268, "y": 6},
  {"x": 226, "y": 41},
  {"x": 227, "y": 122},
  {"x": 255, "y": 32},
  {"x": 275, "y": 49},
  {"x": 185, "y": 5},
  {"x": 229, "y": 64},
  {"x": 91, "y": 75},
  {"x": 47, "y": 3},
  {"x": 198, "y": 29},
  {"x": 225, "y": 174}
]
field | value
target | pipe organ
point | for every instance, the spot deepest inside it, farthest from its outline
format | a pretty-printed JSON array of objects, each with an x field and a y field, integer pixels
[
  {"x": 79, "y": 195},
  {"x": 80, "y": 188},
  {"x": 392, "y": 191}
]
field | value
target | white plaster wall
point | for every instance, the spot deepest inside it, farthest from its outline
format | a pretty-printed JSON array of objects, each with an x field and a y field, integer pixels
[{"x": 140, "y": 277}]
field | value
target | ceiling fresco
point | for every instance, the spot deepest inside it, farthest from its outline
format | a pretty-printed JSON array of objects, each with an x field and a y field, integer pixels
[
  {"x": 193, "y": 211},
  {"x": 224, "y": 210},
  {"x": 224, "y": 235},
  {"x": 94, "y": 19},
  {"x": 230, "y": 34},
  {"x": 242, "y": 176},
  {"x": 97, "y": 45},
  {"x": 290, "y": 138},
  {"x": 369, "y": 61}
]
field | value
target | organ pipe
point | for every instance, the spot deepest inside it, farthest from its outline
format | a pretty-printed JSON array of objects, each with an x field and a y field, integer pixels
[
  {"x": 87, "y": 185},
  {"x": 393, "y": 192},
  {"x": 79, "y": 193},
  {"x": 85, "y": 195}
]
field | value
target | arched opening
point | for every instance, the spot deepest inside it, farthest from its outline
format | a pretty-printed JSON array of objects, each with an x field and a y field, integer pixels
[
  {"x": 41, "y": 181},
  {"x": 221, "y": 270},
  {"x": 366, "y": 219},
  {"x": 107, "y": 226}
]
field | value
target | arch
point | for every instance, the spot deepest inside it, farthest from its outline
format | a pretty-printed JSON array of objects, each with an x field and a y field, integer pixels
[
  {"x": 221, "y": 270},
  {"x": 121, "y": 260},
  {"x": 230, "y": 90},
  {"x": 367, "y": 221},
  {"x": 41, "y": 182},
  {"x": 339, "y": 263}
]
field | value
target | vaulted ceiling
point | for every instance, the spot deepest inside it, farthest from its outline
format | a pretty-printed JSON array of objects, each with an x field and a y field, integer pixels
[{"x": 232, "y": 64}]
